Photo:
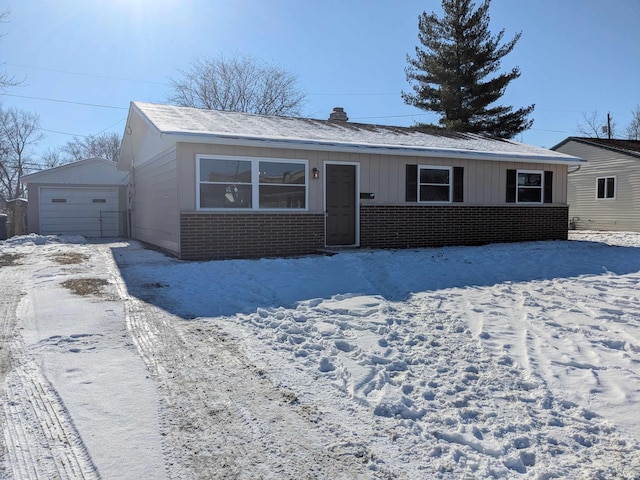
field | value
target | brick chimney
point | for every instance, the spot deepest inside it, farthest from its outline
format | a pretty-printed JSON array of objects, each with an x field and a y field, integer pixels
[{"x": 338, "y": 115}]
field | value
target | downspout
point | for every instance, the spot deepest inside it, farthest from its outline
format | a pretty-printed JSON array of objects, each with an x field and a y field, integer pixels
[
  {"x": 572, "y": 222},
  {"x": 130, "y": 185}
]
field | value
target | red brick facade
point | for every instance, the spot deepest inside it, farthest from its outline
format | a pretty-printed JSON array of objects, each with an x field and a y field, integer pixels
[
  {"x": 214, "y": 236},
  {"x": 412, "y": 226}
]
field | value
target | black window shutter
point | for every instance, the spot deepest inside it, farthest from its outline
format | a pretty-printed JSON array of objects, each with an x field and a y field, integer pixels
[
  {"x": 511, "y": 186},
  {"x": 548, "y": 187},
  {"x": 411, "y": 192},
  {"x": 458, "y": 184}
]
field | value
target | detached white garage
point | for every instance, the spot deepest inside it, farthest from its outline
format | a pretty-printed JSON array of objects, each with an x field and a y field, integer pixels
[{"x": 85, "y": 198}]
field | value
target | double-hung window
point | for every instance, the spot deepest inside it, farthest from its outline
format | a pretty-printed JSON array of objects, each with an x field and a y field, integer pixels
[
  {"x": 530, "y": 183},
  {"x": 251, "y": 183},
  {"x": 431, "y": 184},
  {"x": 529, "y": 186},
  {"x": 606, "y": 187},
  {"x": 434, "y": 184}
]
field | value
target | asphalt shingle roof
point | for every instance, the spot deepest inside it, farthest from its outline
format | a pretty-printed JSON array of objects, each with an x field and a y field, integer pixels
[
  {"x": 185, "y": 121},
  {"x": 630, "y": 147}
]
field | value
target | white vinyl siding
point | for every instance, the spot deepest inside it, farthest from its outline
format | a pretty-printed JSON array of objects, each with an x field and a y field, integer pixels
[
  {"x": 90, "y": 212},
  {"x": 586, "y": 210},
  {"x": 155, "y": 205},
  {"x": 382, "y": 175}
]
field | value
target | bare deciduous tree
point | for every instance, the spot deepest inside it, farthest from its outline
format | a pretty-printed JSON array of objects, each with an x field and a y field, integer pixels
[
  {"x": 6, "y": 80},
  {"x": 633, "y": 130},
  {"x": 104, "y": 145},
  {"x": 53, "y": 157},
  {"x": 238, "y": 83},
  {"x": 595, "y": 125},
  {"x": 19, "y": 130}
]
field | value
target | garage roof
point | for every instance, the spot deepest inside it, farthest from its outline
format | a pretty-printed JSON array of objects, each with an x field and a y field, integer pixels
[{"x": 90, "y": 171}]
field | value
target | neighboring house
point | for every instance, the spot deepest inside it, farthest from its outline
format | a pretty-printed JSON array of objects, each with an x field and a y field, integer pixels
[
  {"x": 87, "y": 198},
  {"x": 207, "y": 184},
  {"x": 604, "y": 194}
]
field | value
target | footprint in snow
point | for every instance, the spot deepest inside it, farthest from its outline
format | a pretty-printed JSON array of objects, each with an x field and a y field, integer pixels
[{"x": 326, "y": 365}]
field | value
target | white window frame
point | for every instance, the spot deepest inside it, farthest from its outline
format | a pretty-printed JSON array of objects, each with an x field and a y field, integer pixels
[
  {"x": 541, "y": 172},
  {"x": 435, "y": 167},
  {"x": 615, "y": 187},
  {"x": 255, "y": 182}
]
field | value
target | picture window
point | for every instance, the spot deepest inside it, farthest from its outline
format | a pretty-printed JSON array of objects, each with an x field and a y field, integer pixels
[{"x": 251, "y": 183}]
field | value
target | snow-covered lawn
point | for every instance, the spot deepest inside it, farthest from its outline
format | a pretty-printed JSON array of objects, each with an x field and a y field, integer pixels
[{"x": 500, "y": 361}]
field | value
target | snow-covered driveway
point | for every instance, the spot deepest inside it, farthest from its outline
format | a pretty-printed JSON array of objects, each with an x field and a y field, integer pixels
[{"x": 502, "y": 361}]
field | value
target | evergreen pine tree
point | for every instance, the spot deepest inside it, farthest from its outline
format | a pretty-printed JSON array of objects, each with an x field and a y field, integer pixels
[{"x": 450, "y": 72}]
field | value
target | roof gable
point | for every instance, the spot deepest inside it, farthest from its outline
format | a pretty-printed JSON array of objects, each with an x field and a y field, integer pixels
[
  {"x": 211, "y": 126},
  {"x": 91, "y": 171},
  {"x": 628, "y": 147}
]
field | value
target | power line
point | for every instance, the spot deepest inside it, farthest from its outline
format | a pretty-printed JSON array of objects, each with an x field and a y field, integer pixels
[
  {"x": 63, "y": 133},
  {"x": 393, "y": 116},
  {"x": 353, "y": 94},
  {"x": 64, "y": 101},
  {"x": 86, "y": 74},
  {"x": 83, "y": 135},
  {"x": 107, "y": 128},
  {"x": 553, "y": 131}
]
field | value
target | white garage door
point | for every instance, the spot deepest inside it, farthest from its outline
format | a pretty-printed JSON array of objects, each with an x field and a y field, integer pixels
[{"x": 90, "y": 212}]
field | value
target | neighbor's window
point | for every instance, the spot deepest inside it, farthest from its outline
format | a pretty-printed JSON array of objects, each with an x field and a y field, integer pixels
[
  {"x": 530, "y": 183},
  {"x": 434, "y": 184},
  {"x": 249, "y": 183},
  {"x": 606, "y": 187}
]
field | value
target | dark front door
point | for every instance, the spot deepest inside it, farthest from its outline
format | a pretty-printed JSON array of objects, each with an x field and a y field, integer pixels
[{"x": 341, "y": 204}]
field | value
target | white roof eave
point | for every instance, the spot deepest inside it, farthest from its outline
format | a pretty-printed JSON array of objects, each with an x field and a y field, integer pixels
[{"x": 318, "y": 145}]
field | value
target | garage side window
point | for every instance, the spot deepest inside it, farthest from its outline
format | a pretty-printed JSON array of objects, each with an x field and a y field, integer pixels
[{"x": 251, "y": 183}]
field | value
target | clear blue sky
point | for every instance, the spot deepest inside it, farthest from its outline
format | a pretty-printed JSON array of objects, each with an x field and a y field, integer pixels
[{"x": 576, "y": 56}]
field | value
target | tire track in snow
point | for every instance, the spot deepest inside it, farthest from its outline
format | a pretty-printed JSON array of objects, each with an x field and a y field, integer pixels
[
  {"x": 8, "y": 306},
  {"x": 221, "y": 416},
  {"x": 39, "y": 440}
]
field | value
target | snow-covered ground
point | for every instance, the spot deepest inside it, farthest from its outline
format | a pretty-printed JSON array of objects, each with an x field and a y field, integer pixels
[{"x": 500, "y": 361}]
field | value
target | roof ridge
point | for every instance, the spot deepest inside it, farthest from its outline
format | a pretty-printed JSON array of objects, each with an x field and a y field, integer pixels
[{"x": 298, "y": 132}]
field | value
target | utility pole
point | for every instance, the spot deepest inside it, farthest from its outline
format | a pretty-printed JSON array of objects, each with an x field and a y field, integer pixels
[{"x": 609, "y": 125}]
